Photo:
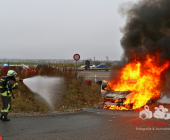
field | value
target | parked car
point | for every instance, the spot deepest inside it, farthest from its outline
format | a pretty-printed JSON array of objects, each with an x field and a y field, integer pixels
[
  {"x": 101, "y": 66},
  {"x": 83, "y": 66},
  {"x": 91, "y": 66},
  {"x": 22, "y": 68}
]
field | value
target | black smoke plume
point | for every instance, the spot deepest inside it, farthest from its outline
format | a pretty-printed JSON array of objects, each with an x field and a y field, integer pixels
[{"x": 147, "y": 31}]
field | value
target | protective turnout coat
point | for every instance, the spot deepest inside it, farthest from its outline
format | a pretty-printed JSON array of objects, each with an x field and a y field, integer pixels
[{"x": 7, "y": 84}]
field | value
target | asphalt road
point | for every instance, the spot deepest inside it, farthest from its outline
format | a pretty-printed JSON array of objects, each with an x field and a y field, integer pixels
[
  {"x": 100, "y": 75},
  {"x": 88, "y": 124}
]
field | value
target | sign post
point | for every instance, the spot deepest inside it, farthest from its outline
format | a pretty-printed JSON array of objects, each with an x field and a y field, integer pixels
[{"x": 76, "y": 58}]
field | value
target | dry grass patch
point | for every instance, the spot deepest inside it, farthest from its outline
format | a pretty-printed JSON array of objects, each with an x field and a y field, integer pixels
[{"x": 74, "y": 93}]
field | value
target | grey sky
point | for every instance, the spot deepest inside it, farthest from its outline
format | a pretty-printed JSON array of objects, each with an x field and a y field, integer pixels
[{"x": 58, "y": 29}]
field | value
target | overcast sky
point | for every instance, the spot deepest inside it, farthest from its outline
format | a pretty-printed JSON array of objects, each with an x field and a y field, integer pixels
[{"x": 58, "y": 29}]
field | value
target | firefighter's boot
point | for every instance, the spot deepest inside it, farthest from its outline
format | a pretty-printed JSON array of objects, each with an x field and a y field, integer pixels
[
  {"x": 5, "y": 119},
  {"x": 4, "y": 116}
]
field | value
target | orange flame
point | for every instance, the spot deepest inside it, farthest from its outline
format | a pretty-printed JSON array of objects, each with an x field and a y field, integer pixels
[{"x": 147, "y": 76}]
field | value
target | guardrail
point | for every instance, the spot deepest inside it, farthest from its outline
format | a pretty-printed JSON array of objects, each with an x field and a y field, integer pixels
[{"x": 94, "y": 69}]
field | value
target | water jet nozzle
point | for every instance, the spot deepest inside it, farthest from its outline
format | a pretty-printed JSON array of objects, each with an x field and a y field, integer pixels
[{"x": 21, "y": 80}]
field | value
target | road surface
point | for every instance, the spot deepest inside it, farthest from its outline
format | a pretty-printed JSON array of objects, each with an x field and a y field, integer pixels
[{"x": 88, "y": 124}]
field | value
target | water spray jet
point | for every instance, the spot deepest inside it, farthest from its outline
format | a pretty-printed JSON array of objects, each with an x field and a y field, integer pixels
[{"x": 45, "y": 87}]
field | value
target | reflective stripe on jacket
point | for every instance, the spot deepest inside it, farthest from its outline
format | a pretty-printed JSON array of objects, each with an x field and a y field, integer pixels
[{"x": 9, "y": 90}]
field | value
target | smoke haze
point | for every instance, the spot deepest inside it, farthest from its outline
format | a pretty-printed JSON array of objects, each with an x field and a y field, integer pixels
[{"x": 164, "y": 100}]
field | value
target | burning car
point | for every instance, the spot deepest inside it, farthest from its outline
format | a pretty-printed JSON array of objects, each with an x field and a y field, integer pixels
[
  {"x": 112, "y": 97},
  {"x": 132, "y": 93},
  {"x": 118, "y": 99}
]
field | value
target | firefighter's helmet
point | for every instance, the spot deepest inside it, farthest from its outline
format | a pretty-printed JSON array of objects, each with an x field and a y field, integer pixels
[{"x": 11, "y": 73}]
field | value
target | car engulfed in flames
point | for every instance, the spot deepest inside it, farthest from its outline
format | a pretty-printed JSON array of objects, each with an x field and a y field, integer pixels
[
  {"x": 138, "y": 84},
  {"x": 114, "y": 98}
]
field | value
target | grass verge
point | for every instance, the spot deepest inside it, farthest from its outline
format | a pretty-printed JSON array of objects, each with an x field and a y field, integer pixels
[{"x": 74, "y": 93}]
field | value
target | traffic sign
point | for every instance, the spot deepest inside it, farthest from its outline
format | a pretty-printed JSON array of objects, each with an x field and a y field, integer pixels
[
  {"x": 76, "y": 57},
  {"x": 87, "y": 62}
]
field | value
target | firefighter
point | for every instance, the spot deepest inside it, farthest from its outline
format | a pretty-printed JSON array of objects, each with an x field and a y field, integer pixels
[{"x": 8, "y": 83}]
